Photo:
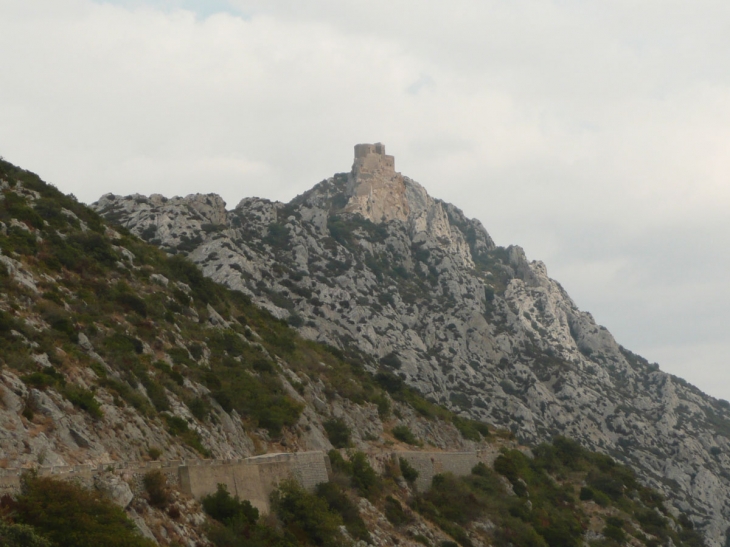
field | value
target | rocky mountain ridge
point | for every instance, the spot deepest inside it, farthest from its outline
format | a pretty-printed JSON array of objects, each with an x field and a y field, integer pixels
[
  {"x": 367, "y": 261},
  {"x": 110, "y": 352}
]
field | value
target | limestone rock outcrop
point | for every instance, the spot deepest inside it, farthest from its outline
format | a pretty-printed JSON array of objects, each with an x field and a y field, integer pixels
[{"x": 368, "y": 261}]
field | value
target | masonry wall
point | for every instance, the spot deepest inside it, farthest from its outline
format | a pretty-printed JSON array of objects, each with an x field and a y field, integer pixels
[
  {"x": 430, "y": 464},
  {"x": 241, "y": 479},
  {"x": 253, "y": 478}
]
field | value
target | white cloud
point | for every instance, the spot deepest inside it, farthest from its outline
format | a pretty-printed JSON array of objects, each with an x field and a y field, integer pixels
[{"x": 595, "y": 134}]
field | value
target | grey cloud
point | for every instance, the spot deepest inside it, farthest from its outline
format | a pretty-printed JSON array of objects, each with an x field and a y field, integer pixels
[{"x": 593, "y": 134}]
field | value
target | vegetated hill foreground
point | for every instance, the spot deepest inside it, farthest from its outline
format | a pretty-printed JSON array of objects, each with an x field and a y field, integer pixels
[
  {"x": 112, "y": 350},
  {"x": 368, "y": 262}
]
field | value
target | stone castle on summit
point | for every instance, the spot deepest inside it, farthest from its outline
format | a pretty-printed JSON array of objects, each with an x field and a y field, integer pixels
[{"x": 376, "y": 191}]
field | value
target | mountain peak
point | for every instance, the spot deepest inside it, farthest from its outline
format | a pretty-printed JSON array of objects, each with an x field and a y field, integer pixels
[{"x": 375, "y": 190}]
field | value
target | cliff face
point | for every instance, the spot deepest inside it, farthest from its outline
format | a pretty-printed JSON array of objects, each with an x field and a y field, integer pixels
[{"x": 368, "y": 260}]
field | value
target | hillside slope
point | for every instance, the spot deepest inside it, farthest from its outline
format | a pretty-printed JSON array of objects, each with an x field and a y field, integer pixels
[
  {"x": 368, "y": 262},
  {"x": 112, "y": 352}
]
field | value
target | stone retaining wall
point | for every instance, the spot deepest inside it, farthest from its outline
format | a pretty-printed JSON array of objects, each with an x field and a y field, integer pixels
[
  {"x": 430, "y": 464},
  {"x": 252, "y": 478}
]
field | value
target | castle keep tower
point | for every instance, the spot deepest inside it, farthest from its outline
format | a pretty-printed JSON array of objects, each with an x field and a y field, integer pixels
[
  {"x": 376, "y": 191},
  {"x": 372, "y": 156}
]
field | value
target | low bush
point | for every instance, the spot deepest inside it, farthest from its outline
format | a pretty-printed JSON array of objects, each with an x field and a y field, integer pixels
[
  {"x": 83, "y": 399},
  {"x": 306, "y": 515},
  {"x": 404, "y": 434},
  {"x": 407, "y": 470},
  {"x": 394, "y": 512},
  {"x": 179, "y": 427},
  {"x": 226, "y": 509},
  {"x": 339, "y": 501},
  {"x": 337, "y": 432},
  {"x": 20, "y": 535},
  {"x": 364, "y": 478},
  {"x": 358, "y": 470},
  {"x": 70, "y": 516},
  {"x": 472, "y": 430},
  {"x": 155, "y": 484}
]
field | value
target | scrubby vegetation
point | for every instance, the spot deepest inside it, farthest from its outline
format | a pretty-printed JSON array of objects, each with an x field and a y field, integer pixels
[
  {"x": 56, "y": 513},
  {"x": 155, "y": 484},
  {"x": 299, "y": 518},
  {"x": 145, "y": 313},
  {"x": 105, "y": 292},
  {"x": 549, "y": 507}
]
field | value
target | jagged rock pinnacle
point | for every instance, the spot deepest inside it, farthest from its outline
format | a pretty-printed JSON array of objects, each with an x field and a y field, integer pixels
[{"x": 376, "y": 191}]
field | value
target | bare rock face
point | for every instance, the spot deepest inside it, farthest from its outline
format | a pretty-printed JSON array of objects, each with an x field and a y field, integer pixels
[
  {"x": 114, "y": 488},
  {"x": 369, "y": 261}
]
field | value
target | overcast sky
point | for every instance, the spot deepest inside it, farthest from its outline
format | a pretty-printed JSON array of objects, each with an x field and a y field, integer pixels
[{"x": 596, "y": 135}]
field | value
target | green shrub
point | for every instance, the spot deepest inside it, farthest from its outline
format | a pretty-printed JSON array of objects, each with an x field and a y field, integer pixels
[
  {"x": 407, "y": 470},
  {"x": 17, "y": 207},
  {"x": 8, "y": 323},
  {"x": 155, "y": 392},
  {"x": 394, "y": 512},
  {"x": 43, "y": 379},
  {"x": 358, "y": 469},
  {"x": 306, "y": 515},
  {"x": 364, "y": 478},
  {"x": 65, "y": 326},
  {"x": 155, "y": 484},
  {"x": 339, "y": 502},
  {"x": 180, "y": 268},
  {"x": 404, "y": 434},
  {"x": 51, "y": 211},
  {"x": 423, "y": 540},
  {"x": 586, "y": 494},
  {"x": 19, "y": 241},
  {"x": 128, "y": 394},
  {"x": 601, "y": 499},
  {"x": 259, "y": 397},
  {"x": 338, "y": 463},
  {"x": 472, "y": 430},
  {"x": 278, "y": 236},
  {"x": 609, "y": 484},
  {"x": 70, "y": 516},
  {"x": 132, "y": 303},
  {"x": 179, "y": 427},
  {"x": 652, "y": 522},
  {"x": 199, "y": 407},
  {"x": 83, "y": 399},
  {"x": 96, "y": 247},
  {"x": 20, "y": 535},
  {"x": 295, "y": 320},
  {"x": 226, "y": 509},
  {"x": 391, "y": 360},
  {"x": 337, "y": 432},
  {"x": 615, "y": 533},
  {"x": 121, "y": 345}
]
